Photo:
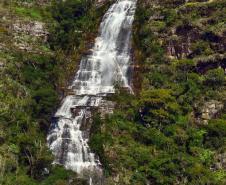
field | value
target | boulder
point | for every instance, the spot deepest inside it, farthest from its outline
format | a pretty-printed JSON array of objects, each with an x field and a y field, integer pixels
[{"x": 209, "y": 111}]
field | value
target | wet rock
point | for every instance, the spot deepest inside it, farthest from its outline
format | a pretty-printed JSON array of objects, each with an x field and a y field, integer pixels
[
  {"x": 105, "y": 108},
  {"x": 45, "y": 171}
]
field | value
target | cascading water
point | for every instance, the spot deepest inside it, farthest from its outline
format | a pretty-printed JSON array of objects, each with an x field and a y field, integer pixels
[{"x": 108, "y": 63}]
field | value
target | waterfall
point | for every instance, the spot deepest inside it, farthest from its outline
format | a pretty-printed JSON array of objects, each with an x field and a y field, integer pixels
[{"x": 107, "y": 64}]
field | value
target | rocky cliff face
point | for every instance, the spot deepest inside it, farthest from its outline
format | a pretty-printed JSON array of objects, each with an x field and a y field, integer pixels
[
  {"x": 21, "y": 29},
  {"x": 171, "y": 131},
  {"x": 179, "y": 50},
  {"x": 22, "y": 33},
  {"x": 201, "y": 32}
]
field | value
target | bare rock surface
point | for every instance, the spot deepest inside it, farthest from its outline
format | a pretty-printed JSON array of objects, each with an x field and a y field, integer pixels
[
  {"x": 209, "y": 111},
  {"x": 29, "y": 35},
  {"x": 35, "y": 28},
  {"x": 105, "y": 108}
]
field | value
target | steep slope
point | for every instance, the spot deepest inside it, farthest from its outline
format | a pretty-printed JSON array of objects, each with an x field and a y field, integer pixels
[
  {"x": 108, "y": 63},
  {"x": 35, "y": 68},
  {"x": 173, "y": 130}
]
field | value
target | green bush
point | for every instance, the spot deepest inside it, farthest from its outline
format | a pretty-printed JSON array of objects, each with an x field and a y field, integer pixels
[{"x": 215, "y": 77}]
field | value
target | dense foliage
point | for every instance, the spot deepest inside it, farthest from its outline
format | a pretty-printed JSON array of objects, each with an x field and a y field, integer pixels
[
  {"x": 156, "y": 136},
  {"x": 33, "y": 73}
]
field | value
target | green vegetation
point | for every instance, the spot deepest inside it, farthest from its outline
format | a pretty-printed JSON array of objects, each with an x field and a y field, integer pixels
[
  {"x": 155, "y": 137},
  {"x": 31, "y": 12},
  {"x": 33, "y": 76}
]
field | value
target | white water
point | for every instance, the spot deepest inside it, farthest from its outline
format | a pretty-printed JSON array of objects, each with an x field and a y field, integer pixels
[{"x": 108, "y": 63}]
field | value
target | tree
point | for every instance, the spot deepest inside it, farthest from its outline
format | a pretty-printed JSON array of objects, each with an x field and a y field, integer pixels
[
  {"x": 215, "y": 77},
  {"x": 158, "y": 107}
]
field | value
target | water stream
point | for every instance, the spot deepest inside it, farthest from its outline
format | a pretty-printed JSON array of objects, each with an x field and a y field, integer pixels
[{"x": 108, "y": 63}]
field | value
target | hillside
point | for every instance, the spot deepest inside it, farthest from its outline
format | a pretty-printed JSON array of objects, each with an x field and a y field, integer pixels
[
  {"x": 171, "y": 130},
  {"x": 39, "y": 51}
]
